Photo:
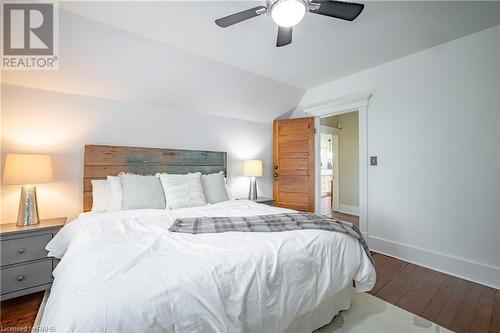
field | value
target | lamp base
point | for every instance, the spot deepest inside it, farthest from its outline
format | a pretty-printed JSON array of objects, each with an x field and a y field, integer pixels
[
  {"x": 28, "y": 207},
  {"x": 252, "y": 192}
]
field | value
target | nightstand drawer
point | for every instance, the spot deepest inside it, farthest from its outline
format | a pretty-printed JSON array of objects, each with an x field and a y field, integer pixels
[
  {"x": 24, "y": 249},
  {"x": 27, "y": 275}
]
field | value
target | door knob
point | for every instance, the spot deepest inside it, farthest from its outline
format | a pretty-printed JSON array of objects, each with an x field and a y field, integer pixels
[
  {"x": 275, "y": 175},
  {"x": 275, "y": 167},
  {"x": 20, "y": 278},
  {"x": 21, "y": 250}
]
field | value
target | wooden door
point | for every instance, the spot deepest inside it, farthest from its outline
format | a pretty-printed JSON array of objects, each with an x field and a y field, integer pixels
[{"x": 293, "y": 163}]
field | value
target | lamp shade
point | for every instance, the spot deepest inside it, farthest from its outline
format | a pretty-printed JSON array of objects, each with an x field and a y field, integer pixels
[
  {"x": 23, "y": 169},
  {"x": 252, "y": 168}
]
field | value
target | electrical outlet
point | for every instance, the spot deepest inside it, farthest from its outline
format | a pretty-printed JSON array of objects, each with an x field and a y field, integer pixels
[{"x": 373, "y": 160}]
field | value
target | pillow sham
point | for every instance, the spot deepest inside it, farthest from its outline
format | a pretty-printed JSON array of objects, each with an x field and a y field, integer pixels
[
  {"x": 141, "y": 192},
  {"x": 228, "y": 190},
  {"x": 99, "y": 195},
  {"x": 183, "y": 190},
  {"x": 214, "y": 188},
  {"x": 230, "y": 194},
  {"x": 115, "y": 194}
]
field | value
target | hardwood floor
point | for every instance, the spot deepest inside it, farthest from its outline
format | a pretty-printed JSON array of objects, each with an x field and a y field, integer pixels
[
  {"x": 18, "y": 314},
  {"x": 346, "y": 217},
  {"x": 454, "y": 303},
  {"x": 327, "y": 210}
]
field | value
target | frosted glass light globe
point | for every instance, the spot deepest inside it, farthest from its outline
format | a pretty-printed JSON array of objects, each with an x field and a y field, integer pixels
[{"x": 287, "y": 13}]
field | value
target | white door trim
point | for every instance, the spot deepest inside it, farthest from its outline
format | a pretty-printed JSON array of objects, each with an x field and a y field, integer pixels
[{"x": 358, "y": 102}]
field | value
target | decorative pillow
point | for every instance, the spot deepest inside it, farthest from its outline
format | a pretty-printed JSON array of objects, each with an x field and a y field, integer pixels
[
  {"x": 230, "y": 194},
  {"x": 142, "y": 192},
  {"x": 115, "y": 194},
  {"x": 214, "y": 187},
  {"x": 99, "y": 195},
  {"x": 228, "y": 190},
  {"x": 183, "y": 190}
]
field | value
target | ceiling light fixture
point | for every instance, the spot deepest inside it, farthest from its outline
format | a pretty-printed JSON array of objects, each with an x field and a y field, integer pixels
[{"x": 287, "y": 13}]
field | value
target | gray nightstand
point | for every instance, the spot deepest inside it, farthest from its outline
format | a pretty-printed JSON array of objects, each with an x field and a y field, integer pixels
[
  {"x": 25, "y": 267},
  {"x": 262, "y": 200}
]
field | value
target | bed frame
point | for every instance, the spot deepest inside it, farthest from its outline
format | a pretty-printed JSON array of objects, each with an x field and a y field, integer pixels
[{"x": 101, "y": 161}]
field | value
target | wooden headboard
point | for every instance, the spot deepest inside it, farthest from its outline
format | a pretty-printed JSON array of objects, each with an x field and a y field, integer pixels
[{"x": 101, "y": 161}]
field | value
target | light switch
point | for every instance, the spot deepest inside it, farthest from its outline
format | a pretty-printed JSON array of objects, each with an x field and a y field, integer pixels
[{"x": 373, "y": 160}]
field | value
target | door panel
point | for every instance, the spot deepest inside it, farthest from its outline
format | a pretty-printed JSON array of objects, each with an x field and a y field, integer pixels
[
  {"x": 293, "y": 158},
  {"x": 293, "y": 184},
  {"x": 297, "y": 201},
  {"x": 293, "y": 167},
  {"x": 293, "y": 149}
]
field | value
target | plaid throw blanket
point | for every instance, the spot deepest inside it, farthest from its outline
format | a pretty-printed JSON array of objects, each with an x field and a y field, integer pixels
[{"x": 267, "y": 223}]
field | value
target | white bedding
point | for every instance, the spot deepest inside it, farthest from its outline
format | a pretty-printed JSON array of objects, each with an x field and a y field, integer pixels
[{"x": 125, "y": 272}]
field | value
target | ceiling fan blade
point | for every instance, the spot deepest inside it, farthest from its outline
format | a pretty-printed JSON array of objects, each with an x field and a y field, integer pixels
[
  {"x": 284, "y": 36},
  {"x": 226, "y": 21},
  {"x": 342, "y": 10}
]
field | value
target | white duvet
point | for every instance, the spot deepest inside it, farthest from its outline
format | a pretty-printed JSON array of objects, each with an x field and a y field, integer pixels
[{"x": 125, "y": 272}]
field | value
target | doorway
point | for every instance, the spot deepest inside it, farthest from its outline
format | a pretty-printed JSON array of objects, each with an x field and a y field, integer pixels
[
  {"x": 339, "y": 165},
  {"x": 329, "y": 169}
]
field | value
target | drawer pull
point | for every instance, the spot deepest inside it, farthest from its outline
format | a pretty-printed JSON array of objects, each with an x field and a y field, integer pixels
[
  {"x": 20, "y": 278},
  {"x": 21, "y": 250}
]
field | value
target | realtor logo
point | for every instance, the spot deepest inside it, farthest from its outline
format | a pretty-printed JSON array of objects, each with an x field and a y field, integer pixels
[{"x": 29, "y": 36}]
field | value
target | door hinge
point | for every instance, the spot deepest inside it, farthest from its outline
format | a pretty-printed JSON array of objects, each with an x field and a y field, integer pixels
[{"x": 315, "y": 130}]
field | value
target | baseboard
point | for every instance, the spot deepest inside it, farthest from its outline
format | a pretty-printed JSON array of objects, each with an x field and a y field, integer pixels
[
  {"x": 463, "y": 268},
  {"x": 351, "y": 210}
]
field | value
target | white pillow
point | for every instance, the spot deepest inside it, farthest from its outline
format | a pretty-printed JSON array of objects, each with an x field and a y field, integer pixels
[
  {"x": 99, "y": 195},
  {"x": 229, "y": 193},
  {"x": 228, "y": 190},
  {"x": 115, "y": 194},
  {"x": 214, "y": 187},
  {"x": 141, "y": 192},
  {"x": 183, "y": 190}
]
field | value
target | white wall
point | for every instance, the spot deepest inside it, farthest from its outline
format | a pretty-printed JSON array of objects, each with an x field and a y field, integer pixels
[
  {"x": 349, "y": 162},
  {"x": 433, "y": 121},
  {"x": 60, "y": 124}
]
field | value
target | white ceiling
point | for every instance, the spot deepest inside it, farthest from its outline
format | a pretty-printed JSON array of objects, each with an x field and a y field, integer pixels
[{"x": 323, "y": 49}]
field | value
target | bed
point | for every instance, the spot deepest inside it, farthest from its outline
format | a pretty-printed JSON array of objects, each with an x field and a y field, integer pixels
[{"x": 124, "y": 271}]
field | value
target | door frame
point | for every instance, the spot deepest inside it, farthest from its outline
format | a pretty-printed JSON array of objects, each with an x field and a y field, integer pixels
[
  {"x": 336, "y": 106},
  {"x": 334, "y": 132}
]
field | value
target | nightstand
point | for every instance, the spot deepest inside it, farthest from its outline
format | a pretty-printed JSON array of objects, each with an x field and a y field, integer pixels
[
  {"x": 262, "y": 200},
  {"x": 25, "y": 267}
]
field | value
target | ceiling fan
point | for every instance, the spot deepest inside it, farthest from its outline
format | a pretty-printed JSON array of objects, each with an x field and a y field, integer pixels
[{"x": 287, "y": 13}]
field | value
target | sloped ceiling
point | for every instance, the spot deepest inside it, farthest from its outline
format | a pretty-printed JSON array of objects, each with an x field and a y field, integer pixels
[
  {"x": 323, "y": 49},
  {"x": 171, "y": 53},
  {"x": 102, "y": 61}
]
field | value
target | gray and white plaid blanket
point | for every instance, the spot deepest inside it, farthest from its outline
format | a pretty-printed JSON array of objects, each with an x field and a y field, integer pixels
[{"x": 267, "y": 223}]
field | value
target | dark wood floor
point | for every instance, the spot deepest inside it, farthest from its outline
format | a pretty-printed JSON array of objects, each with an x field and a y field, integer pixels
[
  {"x": 18, "y": 314},
  {"x": 454, "y": 303},
  {"x": 345, "y": 217}
]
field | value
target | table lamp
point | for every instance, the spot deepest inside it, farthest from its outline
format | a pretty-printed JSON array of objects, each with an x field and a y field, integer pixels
[
  {"x": 27, "y": 170},
  {"x": 252, "y": 169}
]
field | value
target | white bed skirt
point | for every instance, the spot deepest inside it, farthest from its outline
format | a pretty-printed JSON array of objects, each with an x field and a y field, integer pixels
[
  {"x": 323, "y": 314},
  {"x": 308, "y": 322}
]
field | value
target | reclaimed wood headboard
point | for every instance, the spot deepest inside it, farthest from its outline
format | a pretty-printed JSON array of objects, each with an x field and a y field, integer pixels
[{"x": 101, "y": 161}]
